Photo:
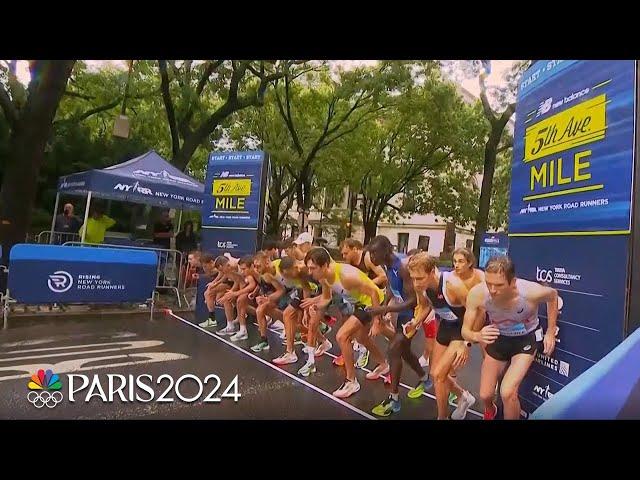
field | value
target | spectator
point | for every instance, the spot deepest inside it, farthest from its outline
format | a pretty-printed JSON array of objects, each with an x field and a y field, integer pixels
[
  {"x": 66, "y": 225},
  {"x": 97, "y": 224},
  {"x": 186, "y": 240},
  {"x": 163, "y": 231}
]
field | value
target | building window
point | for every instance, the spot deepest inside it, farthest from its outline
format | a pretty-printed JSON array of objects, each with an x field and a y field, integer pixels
[
  {"x": 469, "y": 243},
  {"x": 403, "y": 242},
  {"x": 423, "y": 242}
]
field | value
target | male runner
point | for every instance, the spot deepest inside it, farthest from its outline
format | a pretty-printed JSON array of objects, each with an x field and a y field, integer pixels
[
  {"x": 401, "y": 299},
  {"x": 446, "y": 293},
  {"x": 228, "y": 267},
  {"x": 359, "y": 293},
  {"x": 513, "y": 335},
  {"x": 240, "y": 297},
  {"x": 215, "y": 289},
  {"x": 271, "y": 300}
]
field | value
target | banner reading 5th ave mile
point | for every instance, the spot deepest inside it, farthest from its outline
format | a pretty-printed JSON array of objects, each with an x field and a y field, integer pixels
[
  {"x": 233, "y": 208},
  {"x": 570, "y": 210}
]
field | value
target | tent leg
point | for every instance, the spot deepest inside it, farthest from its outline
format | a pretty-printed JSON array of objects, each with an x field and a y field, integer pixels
[
  {"x": 86, "y": 217},
  {"x": 53, "y": 220}
]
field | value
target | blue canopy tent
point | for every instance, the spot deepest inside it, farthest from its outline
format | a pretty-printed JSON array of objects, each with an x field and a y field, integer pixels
[{"x": 147, "y": 179}]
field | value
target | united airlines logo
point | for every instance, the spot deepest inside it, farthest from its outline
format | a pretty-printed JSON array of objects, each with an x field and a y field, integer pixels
[{"x": 60, "y": 281}]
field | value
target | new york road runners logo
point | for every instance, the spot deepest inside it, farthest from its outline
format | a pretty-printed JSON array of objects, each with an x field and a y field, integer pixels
[{"x": 44, "y": 389}]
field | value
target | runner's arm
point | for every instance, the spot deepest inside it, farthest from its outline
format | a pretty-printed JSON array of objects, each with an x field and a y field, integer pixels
[
  {"x": 381, "y": 278},
  {"x": 472, "y": 313}
]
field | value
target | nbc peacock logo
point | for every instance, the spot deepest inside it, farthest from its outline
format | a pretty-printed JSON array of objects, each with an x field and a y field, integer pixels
[{"x": 44, "y": 389}]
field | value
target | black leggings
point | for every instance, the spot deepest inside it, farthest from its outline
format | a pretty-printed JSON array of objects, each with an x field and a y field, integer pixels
[{"x": 400, "y": 349}]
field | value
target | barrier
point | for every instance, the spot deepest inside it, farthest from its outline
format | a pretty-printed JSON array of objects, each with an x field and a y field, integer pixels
[
  {"x": 608, "y": 390},
  {"x": 169, "y": 270},
  {"x": 56, "y": 238},
  {"x": 46, "y": 274}
]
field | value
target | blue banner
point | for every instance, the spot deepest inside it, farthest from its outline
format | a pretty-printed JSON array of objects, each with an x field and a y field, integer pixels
[
  {"x": 218, "y": 241},
  {"x": 592, "y": 301},
  {"x": 573, "y": 148},
  {"x": 55, "y": 274},
  {"x": 492, "y": 245},
  {"x": 234, "y": 191},
  {"x": 570, "y": 208}
]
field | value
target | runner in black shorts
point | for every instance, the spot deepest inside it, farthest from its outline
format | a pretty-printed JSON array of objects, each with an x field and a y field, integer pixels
[
  {"x": 513, "y": 334},
  {"x": 359, "y": 291},
  {"x": 447, "y": 294}
]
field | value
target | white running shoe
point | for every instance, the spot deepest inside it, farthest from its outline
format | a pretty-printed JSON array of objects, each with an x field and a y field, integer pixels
[
  {"x": 323, "y": 348},
  {"x": 464, "y": 404},
  {"x": 240, "y": 335},
  {"x": 347, "y": 389},
  {"x": 286, "y": 359},
  {"x": 208, "y": 323},
  {"x": 230, "y": 329},
  {"x": 378, "y": 372}
]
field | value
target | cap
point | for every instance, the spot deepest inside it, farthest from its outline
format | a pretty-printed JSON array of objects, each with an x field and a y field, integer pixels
[{"x": 304, "y": 237}]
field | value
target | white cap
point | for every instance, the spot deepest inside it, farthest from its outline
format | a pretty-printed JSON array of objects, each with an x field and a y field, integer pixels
[{"x": 304, "y": 237}]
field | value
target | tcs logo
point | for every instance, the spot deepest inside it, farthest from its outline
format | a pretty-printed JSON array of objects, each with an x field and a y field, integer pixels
[{"x": 542, "y": 275}]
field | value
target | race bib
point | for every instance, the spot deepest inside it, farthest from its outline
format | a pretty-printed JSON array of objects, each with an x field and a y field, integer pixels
[
  {"x": 446, "y": 314},
  {"x": 514, "y": 330}
]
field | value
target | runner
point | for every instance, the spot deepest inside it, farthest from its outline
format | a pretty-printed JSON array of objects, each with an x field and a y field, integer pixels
[
  {"x": 228, "y": 267},
  {"x": 354, "y": 254},
  {"x": 447, "y": 292},
  {"x": 401, "y": 299},
  {"x": 218, "y": 286},
  {"x": 359, "y": 293},
  {"x": 271, "y": 300},
  {"x": 239, "y": 298},
  {"x": 513, "y": 335}
]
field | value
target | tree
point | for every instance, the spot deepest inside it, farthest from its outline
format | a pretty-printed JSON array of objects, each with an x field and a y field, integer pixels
[
  {"x": 263, "y": 129},
  {"x": 199, "y": 97},
  {"x": 420, "y": 158},
  {"x": 322, "y": 107},
  {"x": 498, "y": 140},
  {"x": 29, "y": 113}
]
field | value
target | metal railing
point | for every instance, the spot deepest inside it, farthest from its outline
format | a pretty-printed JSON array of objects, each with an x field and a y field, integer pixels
[
  {"x": 57, "y": 238},
  {"x": 169, "y": 274}
]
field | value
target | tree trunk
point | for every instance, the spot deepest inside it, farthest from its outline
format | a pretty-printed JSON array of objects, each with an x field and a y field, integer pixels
[
  {"x": 370, "y": 230},
  {"x": 486, "y": 190},
  {"x": 29, "y": 135}
]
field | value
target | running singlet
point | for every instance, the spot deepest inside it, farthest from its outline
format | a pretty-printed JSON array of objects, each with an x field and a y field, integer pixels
[
  {"x": 396, "y": 283},
  {"x": 516, "y": 321},
  {"x": 362, "y": 266},
  {"x": 291, "y": 284},
  {"x": 354, "y": 297},
  {"x": 442, "y": 305}
]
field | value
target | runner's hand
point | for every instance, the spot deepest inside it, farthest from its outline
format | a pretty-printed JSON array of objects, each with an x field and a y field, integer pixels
[
  {"x": 261, "y": 299},
  {"x": 549, "y": 343},
  {"x": 461, "y": 354},
  {"x": 489, "y": 334},
  {"x": 376, "y": 327},
  {"x": 306, "y": 303}
]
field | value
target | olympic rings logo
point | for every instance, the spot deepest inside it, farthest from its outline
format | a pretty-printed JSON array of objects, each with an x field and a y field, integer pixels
[{"x": 40, "y": 399}]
